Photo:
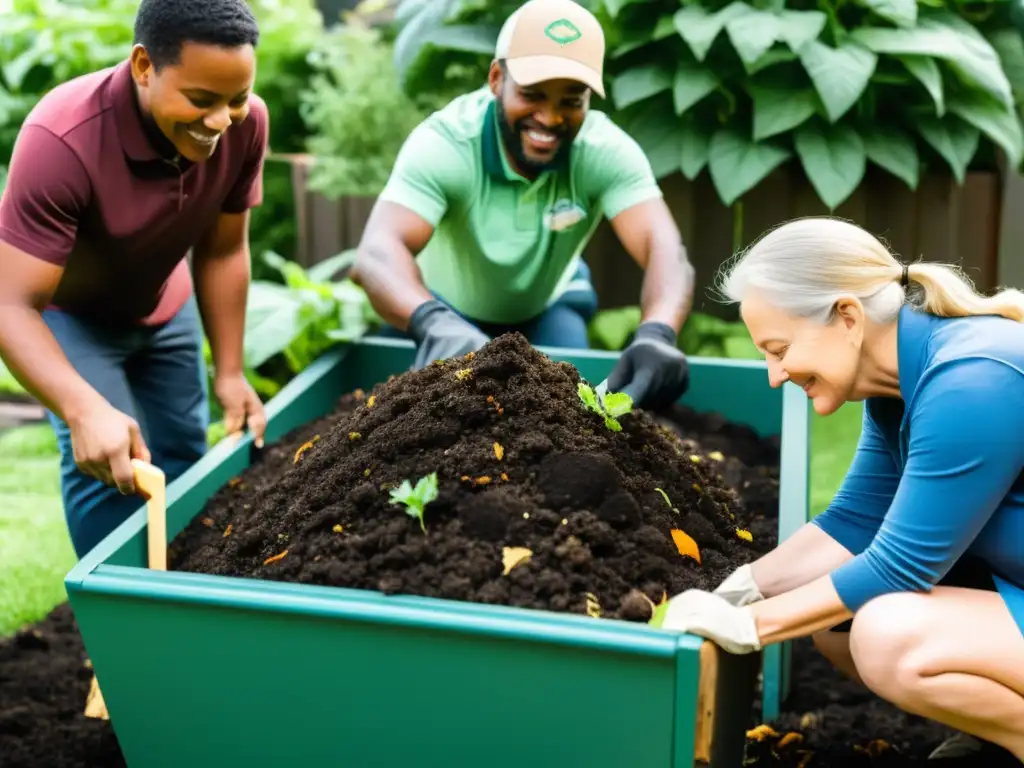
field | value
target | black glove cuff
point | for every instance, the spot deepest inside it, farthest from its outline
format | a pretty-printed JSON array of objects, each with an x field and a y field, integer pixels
[
  {"x": 424, "y": 316},
  {"x": 657, "y": 332}
]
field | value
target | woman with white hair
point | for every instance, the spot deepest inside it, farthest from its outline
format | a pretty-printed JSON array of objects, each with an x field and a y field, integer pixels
[{"x": 923, "y": 545}]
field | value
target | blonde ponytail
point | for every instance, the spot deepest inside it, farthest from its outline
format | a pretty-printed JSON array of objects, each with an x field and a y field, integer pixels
[
  {"x": 804, "y": 266},
  {"x": 944, "y": 290}
]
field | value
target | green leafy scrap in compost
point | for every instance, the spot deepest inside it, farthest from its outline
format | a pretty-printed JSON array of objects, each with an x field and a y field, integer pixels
[{"x": 416, "y": 498}]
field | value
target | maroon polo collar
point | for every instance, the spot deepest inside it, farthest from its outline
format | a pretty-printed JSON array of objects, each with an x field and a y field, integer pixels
[{"x": 135, "y": 141}]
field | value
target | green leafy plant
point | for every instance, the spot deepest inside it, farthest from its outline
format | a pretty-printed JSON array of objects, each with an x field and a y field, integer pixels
[
  {"x": 607, "y": 405},
  {"x": 445, "y": 47},
  {"x": 358, "y": 115},
  {"x": 741, "y": 89},
  {"x": 290, "y": 324},
  {"x": 308, "y": 314},
  {"x": 416, "y": 498}
]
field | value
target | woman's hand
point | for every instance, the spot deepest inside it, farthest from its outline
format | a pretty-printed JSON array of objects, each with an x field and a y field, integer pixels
[
  {"x": 739, "y": 588},
  {"x": 712, "y": 617}
]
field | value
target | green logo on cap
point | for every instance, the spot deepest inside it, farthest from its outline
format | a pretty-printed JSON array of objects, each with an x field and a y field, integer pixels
[{"x": 563, "y": 32}]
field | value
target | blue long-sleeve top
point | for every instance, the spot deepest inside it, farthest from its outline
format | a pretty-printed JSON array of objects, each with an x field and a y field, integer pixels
[{"x": 938, "y": 472}]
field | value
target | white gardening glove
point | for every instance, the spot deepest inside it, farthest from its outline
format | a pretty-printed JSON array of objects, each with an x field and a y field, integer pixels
[
  {"x": 739, "y": 588},
  {"x": 712, "y": 617}
]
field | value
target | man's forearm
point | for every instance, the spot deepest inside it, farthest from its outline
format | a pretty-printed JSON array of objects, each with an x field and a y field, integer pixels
[
  {"x": 222, "y": 288},
  {"x": 36, "y": 360},
  {"x": 388, "y": 274},
  {"x": 667, "y": 292}
]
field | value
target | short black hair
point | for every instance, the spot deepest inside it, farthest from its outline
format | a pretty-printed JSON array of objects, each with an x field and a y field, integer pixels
[{"x": 164, "y": 26}]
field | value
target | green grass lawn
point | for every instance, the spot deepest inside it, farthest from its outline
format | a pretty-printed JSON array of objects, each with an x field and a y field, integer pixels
[{"x": 35, "y": 552}]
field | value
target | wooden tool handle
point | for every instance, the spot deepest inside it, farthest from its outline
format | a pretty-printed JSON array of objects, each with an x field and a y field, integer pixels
[
  {"x": 152, "y": 484},
  {"x": 706, "y": 703}
]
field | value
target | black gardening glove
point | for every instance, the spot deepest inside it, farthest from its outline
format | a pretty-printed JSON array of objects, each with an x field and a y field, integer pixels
[
  {"x": 652, "y": 369},
  {"x": 440, "y": 333}
]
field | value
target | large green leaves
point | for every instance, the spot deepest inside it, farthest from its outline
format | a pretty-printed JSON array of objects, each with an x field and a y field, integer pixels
[
  {"x": 833, "y": 158},
  {"x": 969, "y": 55},
  {"x": 694, "y": 150},
  {"x": 699, "y": 28},
  {"x": 893, "y": 150},
  {"x": 755, "y": 31},
  {"x": 779, "y": 110},
  {"x": 737, "y": 164},
  {"x": 952, "y": 138},
  {"x": 926, "y": 70},
  {"x": 691, "y": 84},
  {"x": 840, "y": 75},
  {"x": 639, "y": 83},
  {"x": 902, "y": 13},
  {"x": 995, "y": 122}
]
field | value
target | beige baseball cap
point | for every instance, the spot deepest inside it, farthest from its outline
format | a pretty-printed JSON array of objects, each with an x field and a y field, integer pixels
[{"x": 553, "y": 39}]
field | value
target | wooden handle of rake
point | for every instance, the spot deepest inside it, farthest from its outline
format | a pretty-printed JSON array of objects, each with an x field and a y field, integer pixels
[{"x": 152, "y": 484}]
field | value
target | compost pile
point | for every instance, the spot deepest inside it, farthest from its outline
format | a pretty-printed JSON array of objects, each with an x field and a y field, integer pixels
[{"x": 539, "y": 502}]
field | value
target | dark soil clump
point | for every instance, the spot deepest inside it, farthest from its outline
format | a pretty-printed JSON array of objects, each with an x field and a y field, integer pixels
[
  {"x": 520, "y": 463},
  {"x": 44, "y": 681}
]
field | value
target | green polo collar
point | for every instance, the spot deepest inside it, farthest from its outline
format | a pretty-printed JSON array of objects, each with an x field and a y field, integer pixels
[{"x": 494, "y": 159}]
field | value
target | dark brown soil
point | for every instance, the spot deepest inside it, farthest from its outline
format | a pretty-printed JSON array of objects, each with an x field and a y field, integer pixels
[
  {"x": 520, "y": 462},
  {"x": 44, "y": 681}
]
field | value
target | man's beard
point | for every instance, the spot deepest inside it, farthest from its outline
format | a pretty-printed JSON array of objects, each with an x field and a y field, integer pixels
[{"x": 511, "y": 135}]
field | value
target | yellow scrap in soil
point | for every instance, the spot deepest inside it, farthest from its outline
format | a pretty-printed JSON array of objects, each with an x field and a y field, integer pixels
[
  {"x": 762, "y": 732},
  {"x": 303, "y": 448},
  {"x": 809, "y": 720},
  {"x": 275, "y": 558},
  {"x": 463, "y": 373},
  {"x": 790, "y": 738},
  {"x": 207, "y": 521},
  {"x": 234, "y": 482},
  {"x": 514, "y": 556},
  {"x": 695, "y": 458},
  {"x": 499, "y": 451},
  {"x": 593, "y": 606},
  {"x": 359, "y": 394},
  {"x": 716, "y": 455},
  {"x": 744, "y": 534},
  {"x": 354, "y": 435},
  {"x": 337, "y": 529},
  {"x": 687, "y": 546},
  {"x": 372, "y": 400},
  {"x": 227, "y": 531}
]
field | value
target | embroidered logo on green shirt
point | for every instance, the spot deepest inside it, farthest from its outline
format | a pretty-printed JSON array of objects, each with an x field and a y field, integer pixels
[{"x": 563, "y": 32}]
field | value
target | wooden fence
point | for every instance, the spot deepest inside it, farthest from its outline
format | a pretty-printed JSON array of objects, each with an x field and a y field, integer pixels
[{"x": 940, "y": 221}]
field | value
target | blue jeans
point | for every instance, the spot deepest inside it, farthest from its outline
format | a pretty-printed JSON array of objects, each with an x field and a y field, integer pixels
[
  {"x": 157, "y": 376},
  {"x": 562, "y": 324}
]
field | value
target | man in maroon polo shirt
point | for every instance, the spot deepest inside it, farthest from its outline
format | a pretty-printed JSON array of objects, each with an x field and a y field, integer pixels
[{"x": 116, "y": 177}]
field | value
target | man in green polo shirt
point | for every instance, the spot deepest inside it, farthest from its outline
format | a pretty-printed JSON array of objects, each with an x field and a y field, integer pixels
[{"x": 492, "y": 199}]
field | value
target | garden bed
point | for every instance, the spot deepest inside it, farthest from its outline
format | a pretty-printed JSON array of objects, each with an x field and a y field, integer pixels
[
  {"x": 533, "y": 499},
  {"x": 829, "y": 721}
]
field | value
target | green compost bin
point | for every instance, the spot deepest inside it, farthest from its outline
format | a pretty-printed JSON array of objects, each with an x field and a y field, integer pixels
[{"x": 200, "y": 670}]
